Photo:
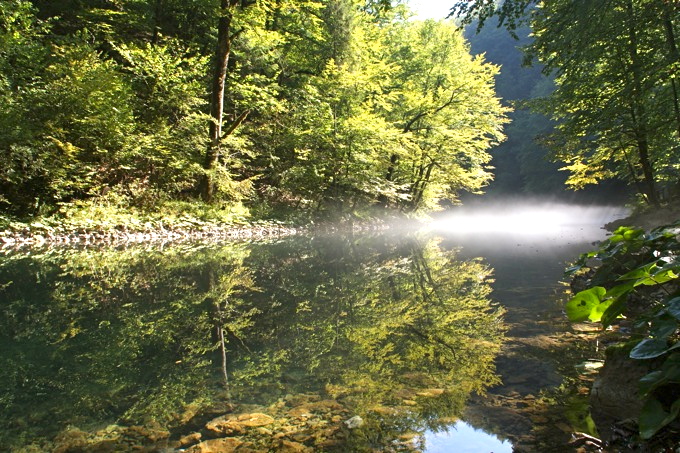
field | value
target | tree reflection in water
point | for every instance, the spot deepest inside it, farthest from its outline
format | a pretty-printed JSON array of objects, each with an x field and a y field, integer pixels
[{"x": 393, "y": 329}]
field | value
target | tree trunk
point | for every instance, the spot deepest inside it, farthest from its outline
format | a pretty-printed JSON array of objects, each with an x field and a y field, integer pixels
[
  {"x": 639, "y": 111},
  {"x": 421, "y": 184},
  {"x": 220, "y": 64},
  {"x": 674, "y": 57}
]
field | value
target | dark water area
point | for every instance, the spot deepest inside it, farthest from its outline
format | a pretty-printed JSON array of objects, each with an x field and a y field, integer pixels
[{"x": 448, "y": 337}]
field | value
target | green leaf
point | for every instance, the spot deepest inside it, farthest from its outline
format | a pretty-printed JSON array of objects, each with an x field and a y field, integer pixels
[
  {"x": 621, "y": 290},
  {"x": 651, "y": 381},
  {"x": 635, "y": 274},
  {"x": 657, "y": 278},
  {"x": 573, "y": 269},
  {"x": 662, "y": 328},
  {"x": 613, "y": 311},
  {"x": 669, "y": 373},
  {"x": 650, "y": 274},
  {"x": 649, "y": 348},
  {"x": 587, "y": 305},
  {"x": 674, "y": 307},
  {"x": 653, "y": 417}
]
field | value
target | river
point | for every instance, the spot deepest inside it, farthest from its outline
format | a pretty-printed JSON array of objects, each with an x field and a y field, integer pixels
[{"x": 443, "y": 337}]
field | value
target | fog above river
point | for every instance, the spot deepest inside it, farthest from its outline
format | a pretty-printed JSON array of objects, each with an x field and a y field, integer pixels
[{"x": 530, "y": 220}]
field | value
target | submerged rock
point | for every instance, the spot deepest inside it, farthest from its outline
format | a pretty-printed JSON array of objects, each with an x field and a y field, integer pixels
[
  {"x": 354, "y": 422},
  {"x": 288, "y": 446},
  {"x": 238, "y": 423},
  {"x": 189, "y": 439},
  {"x": 225, "y": 445}
]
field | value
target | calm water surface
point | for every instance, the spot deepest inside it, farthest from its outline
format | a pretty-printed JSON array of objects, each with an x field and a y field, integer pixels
[{"x": 446, "y": 338}]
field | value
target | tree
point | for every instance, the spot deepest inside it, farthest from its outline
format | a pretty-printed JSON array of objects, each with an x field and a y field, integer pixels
[
  {"x": 444, "y": 102},
  {"x": 225, "y": 37},
  {"x": 614, "y": 98},
  {"x": 617, "y": 97},
  {"x": 510, "y": 13}
]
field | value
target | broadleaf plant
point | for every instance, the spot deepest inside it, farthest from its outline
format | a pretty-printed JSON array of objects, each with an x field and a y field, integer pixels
[{"x": 634, "y": 275}]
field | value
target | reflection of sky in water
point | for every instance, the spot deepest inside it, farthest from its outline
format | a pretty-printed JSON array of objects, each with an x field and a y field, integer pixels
[{"x": 463, "y": 438}]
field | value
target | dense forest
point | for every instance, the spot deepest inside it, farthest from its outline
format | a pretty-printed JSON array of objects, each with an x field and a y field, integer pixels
[
  {"x": 333, "y": 108},
  {"x": 615, "y": 104}
]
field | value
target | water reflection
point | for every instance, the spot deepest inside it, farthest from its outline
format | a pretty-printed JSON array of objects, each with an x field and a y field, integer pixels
[
  {"x": 536, "y": 364},
  {"x": 290, "y": 341},
  {"x": 463, "y": 438}
]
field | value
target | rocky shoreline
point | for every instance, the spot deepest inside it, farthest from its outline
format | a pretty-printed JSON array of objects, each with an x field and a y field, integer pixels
[
  {"x": 43, "y": 235},
  {"x": 38, "y": 235}
]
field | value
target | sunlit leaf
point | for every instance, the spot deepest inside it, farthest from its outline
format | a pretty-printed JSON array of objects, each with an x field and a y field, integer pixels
[
  {"x": 586, "y": 305},
  {"x": 649, "y": 348}
]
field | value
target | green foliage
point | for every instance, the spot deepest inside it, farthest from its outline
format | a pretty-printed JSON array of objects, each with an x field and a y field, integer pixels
[
  {"x": 615, "y": 102},
  {"x": 332, "y": 106},
  {"x": 638, "y": 272}
]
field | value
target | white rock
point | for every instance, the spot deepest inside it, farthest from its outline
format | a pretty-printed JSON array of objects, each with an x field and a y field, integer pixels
[{"x": 354, "y": 422}]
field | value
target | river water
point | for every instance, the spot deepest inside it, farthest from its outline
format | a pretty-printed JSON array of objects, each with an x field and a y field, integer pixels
[{"x": 443, "y": 337}]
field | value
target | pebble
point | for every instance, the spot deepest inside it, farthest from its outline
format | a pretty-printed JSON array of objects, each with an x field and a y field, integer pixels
[{"x": 354, "y": 422}]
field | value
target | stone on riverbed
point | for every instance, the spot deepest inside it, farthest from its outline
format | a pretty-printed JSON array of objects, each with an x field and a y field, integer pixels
[
  {"x": 238, "y": 423},
  {"x": 226, "y": 445},
  {"x": 354, "y": 422}
]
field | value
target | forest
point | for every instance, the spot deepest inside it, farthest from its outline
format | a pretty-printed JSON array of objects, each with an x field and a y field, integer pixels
[
  {"x": 331, "y": 108},
  {"x": 246, "y": 107}
]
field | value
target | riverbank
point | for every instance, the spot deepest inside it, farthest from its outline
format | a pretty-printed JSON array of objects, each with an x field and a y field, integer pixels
[
  {"x": 40, "y": 234},
  {"x": 648, "y": 219},
  {"x": 53, "y": 233},
  {"x": 631, "y": 406}
]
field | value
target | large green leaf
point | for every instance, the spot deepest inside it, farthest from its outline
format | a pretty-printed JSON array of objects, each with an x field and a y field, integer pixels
[
  {"x": 650, "y": 381},
  {"x": 673, "y": 307},
  {"x": 588, "y": 304},
  {"x": 653, "y": 417},
  {"x": 649, "y": 348},
  {"x": 669, "y": 373},
  {"x": 663, "y": 327}
]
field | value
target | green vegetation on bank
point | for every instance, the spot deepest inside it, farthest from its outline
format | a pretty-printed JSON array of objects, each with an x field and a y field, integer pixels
[
  {"x": 633, "y": 279},
  {"x": 332, "y": 108}
]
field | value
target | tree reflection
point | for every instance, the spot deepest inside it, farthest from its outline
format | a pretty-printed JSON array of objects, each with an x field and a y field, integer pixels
[
  {"x": 399, "y": 328},
  {"x": 393, "y": 329},
  {"x": 105, "y": 335}
]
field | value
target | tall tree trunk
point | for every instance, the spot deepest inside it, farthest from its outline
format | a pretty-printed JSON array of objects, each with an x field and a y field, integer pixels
[
  {"x": 158, "y": 8},
  {"x": 674, "y": 57},
  {"x": 221, "y": 61},
  {"x": 639, "y": 111}
]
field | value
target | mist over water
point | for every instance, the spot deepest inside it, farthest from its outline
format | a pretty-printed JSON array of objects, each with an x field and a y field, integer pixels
[
  {"x": 528, "y": 244},
  {"x": 529, "y": 220}
]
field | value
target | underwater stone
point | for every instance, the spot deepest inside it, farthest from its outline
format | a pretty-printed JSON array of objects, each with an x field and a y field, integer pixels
[{"x": 354, "y": 422}]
